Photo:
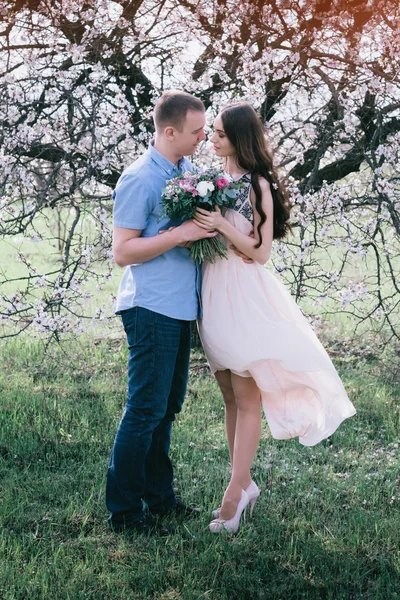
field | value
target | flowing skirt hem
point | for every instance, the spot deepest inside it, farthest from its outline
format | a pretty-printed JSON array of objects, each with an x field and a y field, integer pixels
[{"x": 303, "y": 407}]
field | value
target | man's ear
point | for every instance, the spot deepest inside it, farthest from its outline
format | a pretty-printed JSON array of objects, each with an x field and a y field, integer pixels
[{"x": 169, "y": 133}]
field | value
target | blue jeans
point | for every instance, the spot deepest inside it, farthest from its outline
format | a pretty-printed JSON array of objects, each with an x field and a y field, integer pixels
[{"x": 140, "y": 468}]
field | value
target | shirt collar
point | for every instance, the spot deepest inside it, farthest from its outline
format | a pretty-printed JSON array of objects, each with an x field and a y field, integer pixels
[{"x": 163, "y": 162}]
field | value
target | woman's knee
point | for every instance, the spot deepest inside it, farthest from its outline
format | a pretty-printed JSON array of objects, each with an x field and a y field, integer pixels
[
  {"x": 248, "y": 403},
  {"x": 225, "y": 385},
  {"x": 247, "y": 395},
  {"x": 229, "y": 398},
  {"x": 227, "y": 393}
]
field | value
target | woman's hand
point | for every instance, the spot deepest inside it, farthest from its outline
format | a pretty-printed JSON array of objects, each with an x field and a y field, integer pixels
[{"x": 209, "y": 220}]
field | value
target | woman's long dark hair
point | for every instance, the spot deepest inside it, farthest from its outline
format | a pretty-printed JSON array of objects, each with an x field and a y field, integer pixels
[{"x": 245, "y": 131}]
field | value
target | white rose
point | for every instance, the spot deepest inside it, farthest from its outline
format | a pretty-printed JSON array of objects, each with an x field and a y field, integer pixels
[{"x": 203, "y": 187}]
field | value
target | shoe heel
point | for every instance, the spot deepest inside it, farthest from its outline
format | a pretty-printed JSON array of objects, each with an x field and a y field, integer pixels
[{"x": 252, "y": 505}]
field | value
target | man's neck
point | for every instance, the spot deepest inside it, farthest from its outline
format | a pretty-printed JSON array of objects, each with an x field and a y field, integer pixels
[{"x": 163, "y": 148}]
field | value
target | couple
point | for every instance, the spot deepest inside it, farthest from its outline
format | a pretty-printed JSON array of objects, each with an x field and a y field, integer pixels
[{"x": 259, "y": 346}]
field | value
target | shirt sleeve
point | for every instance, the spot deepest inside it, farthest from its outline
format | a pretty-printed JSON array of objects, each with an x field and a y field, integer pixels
[{"x": 132, "y": 203}]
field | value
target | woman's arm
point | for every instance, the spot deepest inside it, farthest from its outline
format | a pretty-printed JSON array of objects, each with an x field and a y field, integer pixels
[{"x": 244, "y": 243}]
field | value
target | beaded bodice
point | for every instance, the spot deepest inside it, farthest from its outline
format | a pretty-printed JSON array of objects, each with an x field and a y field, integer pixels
[{"x": 243, "y": 204}]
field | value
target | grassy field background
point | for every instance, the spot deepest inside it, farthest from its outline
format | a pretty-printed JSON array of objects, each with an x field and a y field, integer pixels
[{"x": 327, "y": 525}]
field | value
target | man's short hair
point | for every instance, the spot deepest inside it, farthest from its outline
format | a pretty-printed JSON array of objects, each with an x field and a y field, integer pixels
[{"x": 172, "y": 107}]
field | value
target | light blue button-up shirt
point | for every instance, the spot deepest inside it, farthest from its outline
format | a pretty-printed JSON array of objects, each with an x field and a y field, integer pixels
[{"x": 170, "y": 283}]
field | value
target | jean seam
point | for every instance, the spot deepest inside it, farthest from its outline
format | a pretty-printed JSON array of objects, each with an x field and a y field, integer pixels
[
  {"x": 153, "y": 352},
  {"x": 135, "y": 326}
]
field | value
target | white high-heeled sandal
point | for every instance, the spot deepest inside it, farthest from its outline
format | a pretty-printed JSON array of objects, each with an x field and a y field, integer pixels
[
  {"x": 232, "y": 525},
  {"x": 253, "y": 492}
]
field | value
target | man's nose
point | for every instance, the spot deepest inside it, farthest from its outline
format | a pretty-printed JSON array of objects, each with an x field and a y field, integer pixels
[{"x": 202, "y": 135}]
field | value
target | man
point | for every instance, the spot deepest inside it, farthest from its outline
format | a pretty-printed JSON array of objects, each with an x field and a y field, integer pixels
[{"x": 158, "y": 297}]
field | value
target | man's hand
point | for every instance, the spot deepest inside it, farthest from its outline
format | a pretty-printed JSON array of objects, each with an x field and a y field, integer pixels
[
  {"x": 183, "y": 244},
  {"x": 244, "y": 258},
  {"x": 189, "y": 231}
]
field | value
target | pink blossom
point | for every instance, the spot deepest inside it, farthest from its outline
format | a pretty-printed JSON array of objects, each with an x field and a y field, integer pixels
[
  {"x": 221, "y": 182},
  {"x": 188, "y": 187}
]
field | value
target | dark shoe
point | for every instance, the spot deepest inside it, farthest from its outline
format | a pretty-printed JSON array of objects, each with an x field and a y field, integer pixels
[
  {"x": 147, "y": 525},
  {"x": 184, "y": 510},
  {"x": 179, "y": 509}
]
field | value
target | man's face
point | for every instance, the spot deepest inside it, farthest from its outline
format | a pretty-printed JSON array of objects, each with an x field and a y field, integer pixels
[{"x": 187, "y": 140}]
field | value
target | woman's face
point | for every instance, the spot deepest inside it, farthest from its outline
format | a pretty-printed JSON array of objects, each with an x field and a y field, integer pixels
[{"x": 222, "y": 146}]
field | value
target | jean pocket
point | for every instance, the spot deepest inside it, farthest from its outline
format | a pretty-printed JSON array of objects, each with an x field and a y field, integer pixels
[{"x": 129, "y": 320}]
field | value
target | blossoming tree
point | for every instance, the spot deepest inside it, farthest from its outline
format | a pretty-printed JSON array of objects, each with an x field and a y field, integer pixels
[{"x": 78, "y": 81}]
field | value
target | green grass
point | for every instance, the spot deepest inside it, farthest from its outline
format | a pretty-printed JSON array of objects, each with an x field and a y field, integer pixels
[{"x": 327, "y": 525}]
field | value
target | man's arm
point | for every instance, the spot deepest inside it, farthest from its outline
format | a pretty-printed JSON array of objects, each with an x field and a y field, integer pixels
[
  {"x": 244, "y": 257},
  {"x": 129, "y": 248}
]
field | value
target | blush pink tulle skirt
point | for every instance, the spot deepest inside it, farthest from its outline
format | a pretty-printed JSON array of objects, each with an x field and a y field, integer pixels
[{"x": 252, "y": 326}]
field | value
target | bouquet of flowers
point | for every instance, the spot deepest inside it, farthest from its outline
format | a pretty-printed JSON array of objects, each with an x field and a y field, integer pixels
[{"x": 204, "y": 189}]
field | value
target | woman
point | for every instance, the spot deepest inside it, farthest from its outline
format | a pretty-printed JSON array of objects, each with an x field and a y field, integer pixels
[{"x": 258, "y": 344}]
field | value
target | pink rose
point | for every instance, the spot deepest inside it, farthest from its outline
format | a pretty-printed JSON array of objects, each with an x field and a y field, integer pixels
[
  {"x": 188, "y": 187},
  {"x": 221, "y": 182}
]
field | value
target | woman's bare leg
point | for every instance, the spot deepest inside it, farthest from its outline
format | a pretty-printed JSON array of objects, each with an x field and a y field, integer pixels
[
  {"x": 247, "y": 438},
  {"x": 224, "y": 381}
]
